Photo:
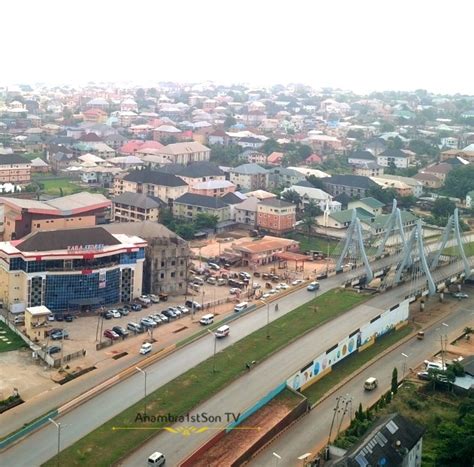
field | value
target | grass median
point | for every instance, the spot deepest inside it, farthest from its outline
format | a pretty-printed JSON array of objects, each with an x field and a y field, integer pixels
[
  {"x": 104, "y": 446},
  {"x": 9, "y": 340},
  {"x": 351, "y": 364}
]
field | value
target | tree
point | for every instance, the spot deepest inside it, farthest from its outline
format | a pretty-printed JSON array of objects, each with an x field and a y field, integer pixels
[
  {"x": 312, "y": 209},
  {"x": 225, "y": 155},
  {"x": 269, "y": 146},
  {"x": 308, "y": 223},
  {"x": 291, "y": 196},
  {"x": 460, "y": 181},
  {"x": 206, "y": 221},
  {"x": 315, "y": 181},
  {"x": 394, "y": 380},
  {"x": 229, "y": 122},
  {"x": 443, "y": 208},
  {"x": 455, "y": 442}
]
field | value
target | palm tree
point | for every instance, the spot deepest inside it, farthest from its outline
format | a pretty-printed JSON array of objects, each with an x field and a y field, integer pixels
[{"x": 308, "y": 223}]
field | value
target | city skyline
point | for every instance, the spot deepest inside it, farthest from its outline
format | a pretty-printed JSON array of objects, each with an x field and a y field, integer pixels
[{"x": 362, "y": 47}]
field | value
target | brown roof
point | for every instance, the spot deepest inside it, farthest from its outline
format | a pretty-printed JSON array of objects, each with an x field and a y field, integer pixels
[
  {"x": 265, "y": 244},
  {"x": 442, "y": 168}
]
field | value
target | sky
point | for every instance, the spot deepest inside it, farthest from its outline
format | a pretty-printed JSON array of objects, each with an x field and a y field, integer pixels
[{"x": 362, "y": 45}]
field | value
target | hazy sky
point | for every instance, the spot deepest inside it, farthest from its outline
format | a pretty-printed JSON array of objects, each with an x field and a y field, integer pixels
[{"x": 363, "y": 45}]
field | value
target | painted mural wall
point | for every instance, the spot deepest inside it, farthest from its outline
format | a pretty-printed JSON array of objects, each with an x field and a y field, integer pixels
[{"x": 377, "y": 327}]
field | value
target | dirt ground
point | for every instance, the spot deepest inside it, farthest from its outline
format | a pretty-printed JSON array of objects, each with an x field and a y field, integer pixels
[{"x": 236, "y": 442}]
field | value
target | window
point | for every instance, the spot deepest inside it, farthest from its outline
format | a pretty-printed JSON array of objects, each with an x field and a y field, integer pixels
[
  {"x": 173, "y": 274},
  {"x": 162, "y": 275}
]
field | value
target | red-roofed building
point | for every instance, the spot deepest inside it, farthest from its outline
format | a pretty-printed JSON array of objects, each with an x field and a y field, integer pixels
[
  {"x": 90, "y": 137},
  {"x": 314, "y": 159},
  {"x": 275, "y": 158},
  {"x": 131, "y": 147},
  {"x": 150, "y": 144}
]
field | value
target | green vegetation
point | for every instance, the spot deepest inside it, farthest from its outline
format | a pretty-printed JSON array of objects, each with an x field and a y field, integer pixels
[
  {"x": 351, "y": 364},
  {"x": 7, "y": 335},
  {"x": 308, "y": 243},
  {"x": 453, "y": 250},
  {"x": 105, "y": 445},
  {"x": 56, "y": 186},
  {"x": 460, "y": 181}
]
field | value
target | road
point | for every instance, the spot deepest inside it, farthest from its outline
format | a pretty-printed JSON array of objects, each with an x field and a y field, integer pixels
[
  {"x": 41, "y": 445},
  {"x": 311, "y": 433}
]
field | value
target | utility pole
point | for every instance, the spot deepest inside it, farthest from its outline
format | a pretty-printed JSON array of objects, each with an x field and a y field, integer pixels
[
  {"x": 58, "y": 427},
  {"x": 144, "y": 373},
  {"x": 336, "y": 410},
  {"x": 215, "y": 348}
]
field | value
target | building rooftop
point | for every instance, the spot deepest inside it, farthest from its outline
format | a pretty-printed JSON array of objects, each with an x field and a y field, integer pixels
[
  {"x": 363, "y": 155},
  {"x": 200, "y": 169},
  {"x": 201, "y": 200},
  {"x": 356, "y": 181},
  {"x": 138, "y": 200},
  {"x": 249, "y": 169},
  {"x": 9, "y": 159},
  {"x": 143, "y": 229},
  {"x": 276, "y": 203},
  {"x": 38, "y": 310},
  {"x": 372, "y": 202},
  {"x": 264, "y": 244},
  {"x": 154, "y": 177},
  {"x": 184, "y": 148}
]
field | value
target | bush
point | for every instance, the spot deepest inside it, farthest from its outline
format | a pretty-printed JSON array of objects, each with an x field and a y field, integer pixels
[{"x": 414, "y": 404}]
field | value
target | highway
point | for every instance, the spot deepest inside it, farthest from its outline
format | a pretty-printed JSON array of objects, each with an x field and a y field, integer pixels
[
  {"x": 311, "y": 432},
  {"x": 41, "y": 445}
]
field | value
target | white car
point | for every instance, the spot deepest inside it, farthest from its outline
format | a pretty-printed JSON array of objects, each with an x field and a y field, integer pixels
[
  {"x": 115, "y": 314},
  {"x": 183, "y": 309},
  {"x": 266, "y": 295},
  {"x": 273, "y": 291},
  {"x": 164, "y": 318},
  {"x": 256, "y": 285},
  {"x": 234, "y": 291},
  {"x": 283, "y": 286},
  {"x": 297, "y": 282}
]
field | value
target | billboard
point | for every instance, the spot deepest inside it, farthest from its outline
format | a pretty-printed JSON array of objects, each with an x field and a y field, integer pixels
[
  {"x": 377, "y": 327},
  {"x": 102, "y": 279}
]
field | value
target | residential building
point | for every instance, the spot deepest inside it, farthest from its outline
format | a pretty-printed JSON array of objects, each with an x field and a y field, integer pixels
[
  {"x": 309, "y": 193},
  {"x": 449, "y": 142},
  {"x": 71, "y": 269},
  {"x": 393, "y": 441},
  {"x": 342, "y": 219},
  {"x": 184, "y": 153},
  {"x": 23, "y": 216},
  {"x": 165, "y": 131},
  {"x": 136, "y": 207},
  {"x": 355, "y": 186},
  {"x": 372, "y": 205},
  {"x": 38, "y": 165},
  {"x": 276, "y": 216},
  {"x": 283, "y": 177},
  {"x": 246, "y": 212},
  {"x": 264, "y": 251},
  {"x": 161, "y": 185},
  {"x": 212, "y": 188},
  {"x": 36, "y": 322},
  {"x": 260, "y": 194},
  {"x": 197, "y": 172},
  {"x": 440, "y": 170},
  {"x": 275, "y": 158},
  {"x": 15, "y": 169},
  {"x": 361, "y": 158},
  {"x": 370, "y": 169},
  {"x": 189, "y": 205},
  {"x": 249, "y": 177},
  {"x": 428, "y": 180},
  {"x": 470, "y": 200},
  {"x": 253, "y": 157},
  {"x": 167, "y": 256},
  {"x": 218, "y": 137},
  {"x": 394, "y": 157},
  {"x": 307, "y": 171},
  {"x": 404, "y": 186}
]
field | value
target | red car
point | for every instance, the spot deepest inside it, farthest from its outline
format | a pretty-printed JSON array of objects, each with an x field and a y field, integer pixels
[{"x": 111, "y": 334}]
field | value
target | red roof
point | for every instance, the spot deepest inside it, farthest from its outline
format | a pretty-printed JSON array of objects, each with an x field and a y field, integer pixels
[
  {"x": 94, "y": 112},
  {"x": 90, "y": 137},
  {"x": 275, "y": 158},
  {"x": 131, "y": 147},
  {"x": 314, "y": 159},
  {"x": 151, "y": 145}
]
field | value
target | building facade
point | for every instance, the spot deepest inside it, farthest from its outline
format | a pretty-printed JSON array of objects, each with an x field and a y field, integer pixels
[
  {"x": 135, "y": 207},
  {"x": 78, "y": 269},
  {"x": 276, "y": 216},
  {"x": 15, "y": 169}
]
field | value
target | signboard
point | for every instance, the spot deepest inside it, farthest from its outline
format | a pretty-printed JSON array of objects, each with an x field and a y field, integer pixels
[{"x": 79, "y": 249}]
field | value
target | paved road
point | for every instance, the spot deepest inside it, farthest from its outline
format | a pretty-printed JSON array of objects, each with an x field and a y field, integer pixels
[
  {"x": 311, "y": 433},
  {"x": 41, "y": 445}
]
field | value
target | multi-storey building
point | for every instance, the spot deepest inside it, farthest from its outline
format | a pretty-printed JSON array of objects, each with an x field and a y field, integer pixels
[
  {"x": 72, "y": 269},
  {"x": 276, "y": 216},
  {"x": 136, "y": 207},
  {"x": 15, "y": 169}
]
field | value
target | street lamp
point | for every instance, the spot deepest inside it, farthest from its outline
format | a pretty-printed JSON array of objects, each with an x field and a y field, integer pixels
[
  {"x": 303, "y": 458},
  {"x": 444, "y": 342},
  {"x": 215, "y": 346},
  {"x": 144, "y": 373},
  {"x": 268, "y": 317},
  {"x": 277, "y": 457},
  {"x": 404, "y": 365},
  {"x": 58, "y": 427}
]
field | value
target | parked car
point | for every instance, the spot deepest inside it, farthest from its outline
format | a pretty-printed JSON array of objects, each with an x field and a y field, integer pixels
[
  {"x": 68, "y": 318},
  {"x": 111, "y": 334},
  {"x": 121, "y": 331},
  {"x": 136, "y": 307},
  {"x": 273, "y": 291},
  {"x": 183, "y": 309},
  {"x": 283, "y": 286},
  {"x": 123, "y": 311},
  {"x": 154, "y": 298},
  {"x": 51, "y": 317},
  {"x": 115, "y": 313},
  {"x": 424, "y": 375},
  {"x": 135, "y": 327},
  {"x": 266, "y": 295},
  {"x": 214, "y": 266},
  {"x": 107, "y": 315},
  {"x": 169, "y": 314},
  {"x": 51, "y": 331},
  {"x": 460, "y": 295},
  {"x": 144, "y": 300},
  {"x": 59, "y": 317},
  {"x": 155, "y": 318},
  {"x": 53, "y": 349},
  {"x": 297, "y": 282},
  {"x": 175, "y": 310},
  {"x": 234, "y": 291},
  {"x": 148, "y": 323},
  {"x": 163, "y": 317},
  {"x": 193, "y": 304},
  {"x": 62, "y": 334},
  {"x": 211, "y": 280}
]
